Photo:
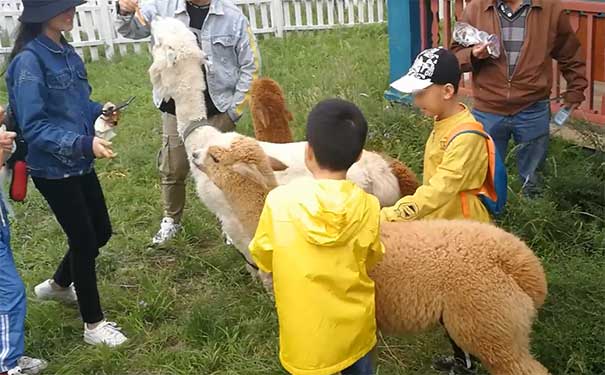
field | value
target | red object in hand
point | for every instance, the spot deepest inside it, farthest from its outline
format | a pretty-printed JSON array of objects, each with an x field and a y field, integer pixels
[{"x": 18, "y": 188}]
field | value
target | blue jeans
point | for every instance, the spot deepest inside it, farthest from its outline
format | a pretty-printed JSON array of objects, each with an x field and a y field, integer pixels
[
  {"x": 530, "y": 129},
  {"x": 12, "y": 302},
  {"x": 363, "y": 366}
]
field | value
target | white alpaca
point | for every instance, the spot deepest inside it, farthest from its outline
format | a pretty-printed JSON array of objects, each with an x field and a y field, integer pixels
[{"x": 177, "y": 73}]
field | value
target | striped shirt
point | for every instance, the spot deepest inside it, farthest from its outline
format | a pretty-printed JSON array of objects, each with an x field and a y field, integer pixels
[{"x": 513, "y": 30}]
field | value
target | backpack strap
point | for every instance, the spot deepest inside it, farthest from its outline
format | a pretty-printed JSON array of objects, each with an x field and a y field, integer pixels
[
  {"x": 486, "y": 188},
  {"x": 469, "y": 127}
]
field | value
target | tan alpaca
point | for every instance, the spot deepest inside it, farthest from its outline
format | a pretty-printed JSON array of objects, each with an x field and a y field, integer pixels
[{"x": 271, "y": 118}]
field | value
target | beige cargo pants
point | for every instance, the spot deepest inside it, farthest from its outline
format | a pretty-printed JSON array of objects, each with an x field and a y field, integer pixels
[{"x": 173, "y": 164}]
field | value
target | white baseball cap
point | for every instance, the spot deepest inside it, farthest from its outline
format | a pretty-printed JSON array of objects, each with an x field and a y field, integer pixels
[{"x": 432, "y": 66}]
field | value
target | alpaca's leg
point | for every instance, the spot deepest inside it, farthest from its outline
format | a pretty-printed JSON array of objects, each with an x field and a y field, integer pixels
[
  {"x": 527, "y": 366},
  {"x": 267, "y": 281},
  {"x": 494, "y": 325}
]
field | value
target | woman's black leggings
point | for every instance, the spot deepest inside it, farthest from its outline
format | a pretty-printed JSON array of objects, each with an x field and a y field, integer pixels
[{"x": 79, "y": 206}]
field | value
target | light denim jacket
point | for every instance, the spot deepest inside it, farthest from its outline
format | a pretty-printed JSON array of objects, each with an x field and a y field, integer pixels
[{"x": 226, "y": 38}]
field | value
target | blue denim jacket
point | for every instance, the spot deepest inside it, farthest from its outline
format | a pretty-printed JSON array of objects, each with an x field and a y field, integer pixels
[
  {"x": 227, "y": 40},
  {"x": 49, "y": 93}
]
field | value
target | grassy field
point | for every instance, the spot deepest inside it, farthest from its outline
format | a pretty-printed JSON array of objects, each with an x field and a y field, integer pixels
[{"x": 191, "y": 308}]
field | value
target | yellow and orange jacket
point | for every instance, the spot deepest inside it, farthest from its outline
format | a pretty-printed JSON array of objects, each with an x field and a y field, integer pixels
[
  {"x": 452, "y": 175},
  {"x": 319, "y": 238}
]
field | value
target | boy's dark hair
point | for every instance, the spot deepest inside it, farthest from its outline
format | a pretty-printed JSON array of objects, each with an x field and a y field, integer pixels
[{"x": 336, "y": 131}]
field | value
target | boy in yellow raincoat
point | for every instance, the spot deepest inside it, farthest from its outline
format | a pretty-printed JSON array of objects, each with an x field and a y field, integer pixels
[
  {"x": 319, "y": 236},
  {"x": 455, "y": 168},
  {"x": 454, "y": 171}
]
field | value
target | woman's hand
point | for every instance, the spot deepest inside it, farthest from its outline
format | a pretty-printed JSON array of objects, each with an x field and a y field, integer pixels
[
  {"x": 102, "y": 149},
  {"x": 2, "y": 113},
  {"x": 112, "y": 118}
]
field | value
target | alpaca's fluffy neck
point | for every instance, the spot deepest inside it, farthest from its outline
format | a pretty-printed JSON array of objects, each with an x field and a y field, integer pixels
[
  {"x": 189, "y": 108},
  {"x": 248, "y": 206},
  {"x": 189, "y": 97}
]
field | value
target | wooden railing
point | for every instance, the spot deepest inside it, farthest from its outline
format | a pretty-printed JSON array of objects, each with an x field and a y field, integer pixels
[{"x": 587, "y": 19}]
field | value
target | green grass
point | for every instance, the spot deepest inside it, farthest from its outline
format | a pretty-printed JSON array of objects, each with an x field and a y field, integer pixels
[{"x": 192, "y": 309}]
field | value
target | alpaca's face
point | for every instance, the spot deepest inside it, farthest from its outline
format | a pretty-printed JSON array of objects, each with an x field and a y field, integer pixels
[
  {"x": 175, "y": 47},
  {"x": 242, "y": 160}
]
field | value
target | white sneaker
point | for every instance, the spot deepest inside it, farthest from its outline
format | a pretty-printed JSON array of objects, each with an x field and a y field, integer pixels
[
  {"x": 168, "y": 229},
  {"x": 15, "y": 371},
  {"x": 45, "y": 291},
  {"x": 106, "y": 333},
  {"x": 227, "y": 239},
  {"x": 31, "y": 366}
]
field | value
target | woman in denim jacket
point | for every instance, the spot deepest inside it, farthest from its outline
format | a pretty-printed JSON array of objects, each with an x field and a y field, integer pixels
[{"x": 50, "y": 97}]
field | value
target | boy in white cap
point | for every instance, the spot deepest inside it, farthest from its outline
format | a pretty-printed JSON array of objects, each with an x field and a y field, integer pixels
[{"x": 455, "y": 163}]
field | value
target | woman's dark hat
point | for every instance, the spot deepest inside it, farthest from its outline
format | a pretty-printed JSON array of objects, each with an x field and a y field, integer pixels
[{"x": 39, "y": 11}]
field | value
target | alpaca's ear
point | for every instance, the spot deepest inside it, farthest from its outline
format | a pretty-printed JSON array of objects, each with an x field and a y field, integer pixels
[
  {"x": 260, "y": 118},
  {"x": 251, "y": 172},
  {"x": 277, "y": 165}
]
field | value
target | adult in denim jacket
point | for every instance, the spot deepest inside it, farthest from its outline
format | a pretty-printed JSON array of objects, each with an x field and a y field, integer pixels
[
  {"x": 224, "y": 34},
  {"x": 50, "y": 98}
]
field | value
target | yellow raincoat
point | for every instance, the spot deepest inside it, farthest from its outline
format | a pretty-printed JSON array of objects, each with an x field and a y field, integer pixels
[
  {"x": 451, "y": 174},
  {"x": 319, "y": 238}
]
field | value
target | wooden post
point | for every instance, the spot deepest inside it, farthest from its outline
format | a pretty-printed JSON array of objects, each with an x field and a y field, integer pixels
[
  {"x": 106, "y": 28},
  {"x": 404, "y": 41}
]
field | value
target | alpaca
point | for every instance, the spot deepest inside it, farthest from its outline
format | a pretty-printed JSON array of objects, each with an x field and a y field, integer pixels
[
  {"x": 176, "y": 73},
  {"x": 270, "y": 118},
  {"x": 483, "y": 283}
]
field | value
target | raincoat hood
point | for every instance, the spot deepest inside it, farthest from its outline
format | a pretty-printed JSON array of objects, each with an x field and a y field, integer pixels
[{"x": 332, "y": 212}]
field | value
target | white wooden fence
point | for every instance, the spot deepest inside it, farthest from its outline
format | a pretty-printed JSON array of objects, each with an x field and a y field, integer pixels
[{"x": 95, "y": 34}]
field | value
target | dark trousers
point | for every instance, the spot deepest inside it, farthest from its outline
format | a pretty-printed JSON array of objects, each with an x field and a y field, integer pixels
[
  {"x": 79, "y": 206},
  {"x": 364, "y": 366}
]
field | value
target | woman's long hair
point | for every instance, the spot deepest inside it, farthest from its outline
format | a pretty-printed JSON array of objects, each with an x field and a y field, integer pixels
[{"x": 25, "y": 34}]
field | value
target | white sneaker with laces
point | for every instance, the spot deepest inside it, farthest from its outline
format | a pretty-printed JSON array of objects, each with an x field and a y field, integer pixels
[
  {"x": 168, "y": 229},
  {"x": 31, "y": 366},
  {"x": 106, "y": 333},
  {"x": 45, "y": 291}
]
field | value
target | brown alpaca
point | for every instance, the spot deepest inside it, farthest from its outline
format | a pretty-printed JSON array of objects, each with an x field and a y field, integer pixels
[
  {"x": 408, "y": 182},
  {"x": 270, "y": 117},
  {"x": 485, "y": 284}
]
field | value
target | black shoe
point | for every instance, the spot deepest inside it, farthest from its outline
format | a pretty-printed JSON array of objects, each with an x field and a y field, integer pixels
[{"x": 453, "y": 366}]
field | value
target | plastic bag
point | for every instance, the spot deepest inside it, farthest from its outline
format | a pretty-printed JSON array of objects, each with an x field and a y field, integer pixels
[{"x": 468, "y": 35}]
